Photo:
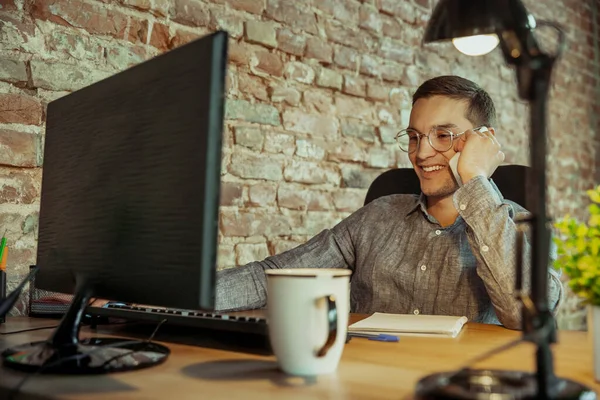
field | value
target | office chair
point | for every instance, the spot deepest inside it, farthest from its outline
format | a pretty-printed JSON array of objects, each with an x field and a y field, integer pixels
[{"x": 510, "y": 179}]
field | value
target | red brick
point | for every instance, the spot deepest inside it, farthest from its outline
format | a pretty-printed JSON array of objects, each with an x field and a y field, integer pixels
[
  {"x": 330, "y": 79},
  {"x": 239, "y": 53},
  {"x": 289, "y": 13},
  {"x": 345, "y": 11},
  {"x": 20, "y": 109},
  {"x": 348, "y": 150},
  {"x": 291, "y": 42},
  {"x": 253, "y": 86},
  {"x": 91, "y": 17},
  {"x": 119, "y": 55},
  {"x": 261, "y": 32},
  {"x": 232, "y": 194},
  {"x": 249, "y": 252},
  {"x": 182, "y": 37},
  {"x": 251, "y": 6},
  {"x": 349, "y": 106},
  {"x": 394, "y": 50},
  {"x": 18, "y": 149},
  {"x": 269, "y": 63},
  {"x": 288, "y": 94},
  {"x": 13, "y": 71},
  {"x": 310, "y": 172},
  {"x": 392, "y": 72},
  {"x": 295, "y": 197},
  {"x": 319, "y": 100},
  {"x": 352, "y": 127},
  {"x": 300, "y": 72},
  {"x": 349, "y": 200},
  {"x": 190, "y": 12},
  {"x": 254, "y": 223},
  {"x": 245, "y": 164},
  {"x": 354, "y": 85},
  {"x": 377, "y": 92},
  {"x": 157, "y": 7},
  {"x": 319, "y": 50},
  {"x": 392, "y": 28},
  {"x": 402, "y": 9},
  {"x": 262, "y": 194},
  {"x": 225, "y": 20},
  {"x": 346, "y": 57},
  {"x": 412, "y": 36},
  {"x": 160, "y": 36},
  {"x": 138, "y": 31},
  {"x": 341, "y": 34},
  {"x": 370, "y": 19},
  {"x": 411, "y": 76},
  {"x": 370, "y": 65},
  {"x": 323, "y": 126},
  {"x": 8, "y": 5},
  {"x": 20, "y": 187}
]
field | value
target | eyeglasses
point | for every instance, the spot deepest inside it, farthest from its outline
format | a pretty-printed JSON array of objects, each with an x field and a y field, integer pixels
[{"x": 440, "y": 139}]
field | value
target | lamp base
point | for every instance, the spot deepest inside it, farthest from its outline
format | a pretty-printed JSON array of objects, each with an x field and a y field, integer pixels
[{"x": 493, "y": 384}]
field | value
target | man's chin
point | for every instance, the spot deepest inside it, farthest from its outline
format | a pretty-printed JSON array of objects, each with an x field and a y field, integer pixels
[{"x": 444, "y": 191}]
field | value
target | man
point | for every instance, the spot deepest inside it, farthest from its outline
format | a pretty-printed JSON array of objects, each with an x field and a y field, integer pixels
[{"x": 449, "y": 251}]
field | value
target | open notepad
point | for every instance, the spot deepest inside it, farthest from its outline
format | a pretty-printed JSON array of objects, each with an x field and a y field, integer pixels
[{"x": 408, "y": 324}]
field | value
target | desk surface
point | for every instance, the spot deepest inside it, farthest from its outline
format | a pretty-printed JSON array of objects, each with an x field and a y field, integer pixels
[{"x": 368, "y": 369}]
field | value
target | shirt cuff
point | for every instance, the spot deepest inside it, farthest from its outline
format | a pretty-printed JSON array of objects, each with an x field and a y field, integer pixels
[{"x": 477, "y": 194}]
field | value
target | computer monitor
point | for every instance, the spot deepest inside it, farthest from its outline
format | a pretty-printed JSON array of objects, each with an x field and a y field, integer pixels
[{"x": 130, "y": 200}]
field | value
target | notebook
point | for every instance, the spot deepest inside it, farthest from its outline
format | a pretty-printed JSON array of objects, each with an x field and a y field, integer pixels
[{"x": 409, "y": 324}]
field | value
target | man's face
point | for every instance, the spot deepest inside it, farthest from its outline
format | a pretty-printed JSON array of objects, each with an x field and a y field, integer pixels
[{"x": 432, "y": 166}]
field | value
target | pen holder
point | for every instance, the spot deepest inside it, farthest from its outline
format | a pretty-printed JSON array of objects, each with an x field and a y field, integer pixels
[{"x": 46, "y": 304}]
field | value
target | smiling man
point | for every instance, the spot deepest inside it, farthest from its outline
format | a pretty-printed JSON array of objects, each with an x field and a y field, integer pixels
[{"x": 449, "y": 251}]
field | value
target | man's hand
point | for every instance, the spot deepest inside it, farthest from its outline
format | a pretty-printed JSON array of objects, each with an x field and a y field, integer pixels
[{"x": 480, "y": 154}]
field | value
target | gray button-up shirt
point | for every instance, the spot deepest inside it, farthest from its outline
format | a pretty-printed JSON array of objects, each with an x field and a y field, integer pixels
[{"x": 404, "y": 261}]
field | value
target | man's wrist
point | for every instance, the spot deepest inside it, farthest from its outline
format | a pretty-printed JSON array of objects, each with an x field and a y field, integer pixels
[{"x": 466, "y": 177}]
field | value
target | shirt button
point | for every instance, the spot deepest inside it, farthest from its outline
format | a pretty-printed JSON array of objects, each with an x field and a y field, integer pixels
[
  {"x": 484, "y": 248},
  {"x": 423, "y": 267},
  {"x": 416, "y": 312},
  {"x": 463, "y": 207},
  {"x": 438, "y": 232}
]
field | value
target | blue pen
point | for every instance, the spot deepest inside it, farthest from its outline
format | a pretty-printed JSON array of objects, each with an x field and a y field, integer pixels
[{"x": 376, "y": 337}]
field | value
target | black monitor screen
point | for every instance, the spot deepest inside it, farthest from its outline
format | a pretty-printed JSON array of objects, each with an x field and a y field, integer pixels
[{"x": 131, "y": 178}]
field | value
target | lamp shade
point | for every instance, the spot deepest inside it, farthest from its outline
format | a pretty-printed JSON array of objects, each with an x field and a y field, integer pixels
[{"x": 459, "y": 18}]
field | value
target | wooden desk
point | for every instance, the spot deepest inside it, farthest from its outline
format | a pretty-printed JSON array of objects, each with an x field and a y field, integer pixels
[{"x": 369, "y": 370}]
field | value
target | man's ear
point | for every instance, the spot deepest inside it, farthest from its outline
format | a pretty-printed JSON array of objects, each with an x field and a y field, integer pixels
[{"x": 492, "y": 130}]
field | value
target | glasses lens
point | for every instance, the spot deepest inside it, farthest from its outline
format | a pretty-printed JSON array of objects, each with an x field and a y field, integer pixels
[
  {"x": 441, "y": 139},
  {"x": 408, "y": 140}
]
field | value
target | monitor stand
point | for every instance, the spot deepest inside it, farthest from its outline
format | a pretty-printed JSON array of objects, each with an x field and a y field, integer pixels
[{"x": 64, "y": 353}]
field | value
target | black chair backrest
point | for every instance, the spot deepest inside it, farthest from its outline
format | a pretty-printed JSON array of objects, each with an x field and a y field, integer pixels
[{"x": 510, "y": 179}]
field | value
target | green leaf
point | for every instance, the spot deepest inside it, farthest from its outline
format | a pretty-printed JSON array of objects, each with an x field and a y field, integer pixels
[{"x": 594, "y": 195}]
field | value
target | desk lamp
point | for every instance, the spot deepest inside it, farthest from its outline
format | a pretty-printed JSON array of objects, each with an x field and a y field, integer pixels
[{"x": 475, "y": 28}]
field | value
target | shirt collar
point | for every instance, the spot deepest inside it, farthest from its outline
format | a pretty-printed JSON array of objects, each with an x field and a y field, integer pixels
[{"x": 421, "y": 202}]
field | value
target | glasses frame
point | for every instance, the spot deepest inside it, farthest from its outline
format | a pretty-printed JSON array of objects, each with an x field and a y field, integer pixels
[{"x": 419, "y": 135}]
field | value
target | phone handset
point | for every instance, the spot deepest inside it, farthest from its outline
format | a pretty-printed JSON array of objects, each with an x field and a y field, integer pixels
[{"x": 454, "y": 161}]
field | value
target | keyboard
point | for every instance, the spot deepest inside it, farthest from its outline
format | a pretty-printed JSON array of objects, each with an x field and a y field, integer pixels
[{"x": 247, "y": 324}]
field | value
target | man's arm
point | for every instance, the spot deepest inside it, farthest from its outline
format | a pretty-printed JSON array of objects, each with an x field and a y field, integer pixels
[
  {"x": 245, "y": 287},
  {"x": 492, "y": 235}
]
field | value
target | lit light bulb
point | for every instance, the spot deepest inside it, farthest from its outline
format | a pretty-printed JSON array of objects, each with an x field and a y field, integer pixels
[{"x": 477, "y": 45}]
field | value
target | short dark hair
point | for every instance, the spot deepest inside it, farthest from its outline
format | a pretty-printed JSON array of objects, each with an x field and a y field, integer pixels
[{"x": 480, "y": 110}]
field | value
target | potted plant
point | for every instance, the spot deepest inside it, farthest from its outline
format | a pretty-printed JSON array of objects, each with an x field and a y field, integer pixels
[{"x": 578, "y": 248}]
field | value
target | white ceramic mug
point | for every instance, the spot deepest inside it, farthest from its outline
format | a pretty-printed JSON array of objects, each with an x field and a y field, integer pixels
[{"x": 307, "y": 315}]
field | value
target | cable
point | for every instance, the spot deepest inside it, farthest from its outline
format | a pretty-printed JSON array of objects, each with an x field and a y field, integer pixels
[
  {"x": 28, "y": 330},
  {"x": 41, "y": 327},
  {"x": 146, "y": 342},
  {"x": 15, "y": 391}
]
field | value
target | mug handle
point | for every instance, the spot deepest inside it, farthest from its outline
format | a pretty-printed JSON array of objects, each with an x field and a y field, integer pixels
[{"x": 332, "y": 321}]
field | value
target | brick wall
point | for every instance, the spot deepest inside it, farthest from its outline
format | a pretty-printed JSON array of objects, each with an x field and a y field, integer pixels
[{"x": 316, "y": 92}]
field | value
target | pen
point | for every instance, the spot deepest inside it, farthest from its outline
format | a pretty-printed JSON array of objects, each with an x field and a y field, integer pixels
[
  {"x": 378, "y": 337},
  {"x": 3, "y": 257}
]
